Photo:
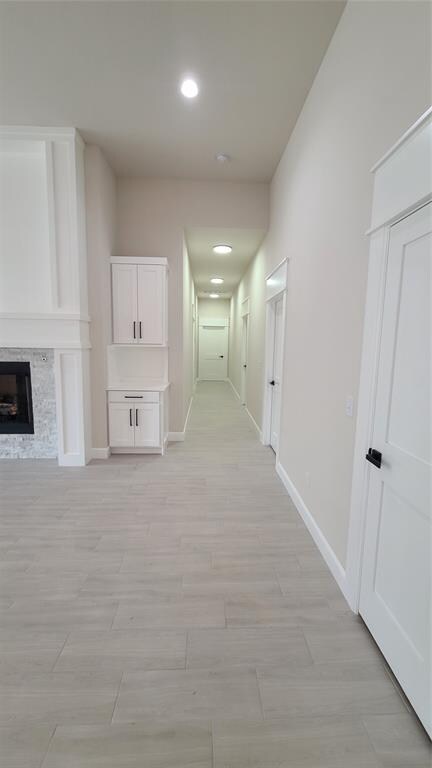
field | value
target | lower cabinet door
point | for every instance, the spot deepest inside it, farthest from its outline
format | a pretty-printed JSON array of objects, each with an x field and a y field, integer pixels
[
  {"x": 147, "y": 425},
  {"x": 121, "y": 425}
]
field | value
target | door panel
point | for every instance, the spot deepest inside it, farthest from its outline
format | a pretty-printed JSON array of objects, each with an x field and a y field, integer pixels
[
  {"x": 277, "y": 373},
  {"x": 147, "y": 431},
  {"x": 395, "y": 599},
  {"x": 151, "y": 309},
  {"x": 121, "y": 427},
  {"x": 213, "y": 352},
  {"x": 244, "y": 360},
  {"x": 124, "y": 295}
]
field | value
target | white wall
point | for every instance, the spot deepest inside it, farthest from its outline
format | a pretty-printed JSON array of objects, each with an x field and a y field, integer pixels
[
  {"x": 374, "y": 82},
  {"x": 214, "y": 308},
  {"x": 252, "y": 286},
  {"x": 152, "y": 215},
  {"x": 100, "y": 216},
  {"x": 25, "y": 284}
]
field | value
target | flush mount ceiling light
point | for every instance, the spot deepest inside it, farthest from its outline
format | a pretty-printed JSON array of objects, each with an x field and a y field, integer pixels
[
  {"x": 216, "y": 280},
  {"x": 189, "y": 88},
  {"x": 222, "y": 157},
  {"x": 214, "y": 295},
  {"x": 223, "y": 249}
]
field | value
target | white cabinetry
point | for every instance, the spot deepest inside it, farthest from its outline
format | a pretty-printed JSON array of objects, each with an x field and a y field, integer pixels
[
  {"x": 137, "y": 360},
  {"x": 139, "y": 289},
  {"x": 136, "y": 420}
]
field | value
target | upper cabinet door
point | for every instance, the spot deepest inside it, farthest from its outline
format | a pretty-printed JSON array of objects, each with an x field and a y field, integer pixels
[
  {"x": 151, "y": 304},
  {"x": 124, "y": 290}
]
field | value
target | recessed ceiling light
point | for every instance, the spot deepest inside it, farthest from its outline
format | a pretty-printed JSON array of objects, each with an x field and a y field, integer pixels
[
  {"x": 222, "y": 157},
  {"x": 214, "y": 295},
  {"x": 189, "y": 88},
  {"x": 216, "y": 280},
  {"x": 222, "y": 248}
]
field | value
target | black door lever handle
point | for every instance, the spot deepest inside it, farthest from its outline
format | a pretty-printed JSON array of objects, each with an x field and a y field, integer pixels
[{"x": 375, "y": 457}]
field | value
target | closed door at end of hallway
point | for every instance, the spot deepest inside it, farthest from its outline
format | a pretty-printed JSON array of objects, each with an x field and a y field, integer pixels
[{"x": 213, "y": 352}]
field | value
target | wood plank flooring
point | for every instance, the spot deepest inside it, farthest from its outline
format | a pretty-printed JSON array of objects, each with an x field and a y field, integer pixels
[{"x": 174, "y": 613}]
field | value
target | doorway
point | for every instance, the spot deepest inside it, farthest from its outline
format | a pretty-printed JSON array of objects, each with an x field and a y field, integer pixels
[
  {"x": 276, "y": 373},
  {"x": 395, "y": 589},
  {"x": 244, "y": 357},
  {"x": 213, "y": 350},
  {"x": 276, "y": 283}
]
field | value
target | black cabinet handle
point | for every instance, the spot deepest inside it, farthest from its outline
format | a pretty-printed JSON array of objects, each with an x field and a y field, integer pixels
[
  {"x": 375, "y": 457},
  {"x": 221, "y": 356},
  {"x": 132, "y": 397},
  {"x": 134, "y": 329},
  {"x": 140, "y": 329},
  {"x": 130, "y": 417},
  {"x": 244, "y": 365},
  {"x": 272, "y": 382},
  {"x": 136, "y": 417}
]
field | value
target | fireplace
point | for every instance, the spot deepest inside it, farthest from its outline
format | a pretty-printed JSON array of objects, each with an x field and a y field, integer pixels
[{"x": 16, "y": 406}]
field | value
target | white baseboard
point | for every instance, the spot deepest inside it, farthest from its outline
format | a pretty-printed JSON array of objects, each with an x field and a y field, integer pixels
[
  {"x": 101, "y": 453},
  {"x": 246, "y": 409},
  {"x": 179, "y": 437},
  {"x": 320, "y": 540},
  {"x": 176, "y": 437},
  {"x": 254, "y": 423},
  {"x": 233, "y": 388},
  {"x": 188, "y": 414}
]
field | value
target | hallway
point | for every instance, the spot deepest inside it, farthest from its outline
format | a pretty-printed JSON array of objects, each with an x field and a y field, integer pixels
[{"x": 175, "y": 613}]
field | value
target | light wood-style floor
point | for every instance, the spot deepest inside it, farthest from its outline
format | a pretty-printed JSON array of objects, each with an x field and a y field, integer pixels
[{"x": 174, "y": 613}]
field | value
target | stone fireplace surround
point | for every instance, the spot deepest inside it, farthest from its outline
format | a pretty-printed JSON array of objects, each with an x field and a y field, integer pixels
[{"x": 43, "y": 443}]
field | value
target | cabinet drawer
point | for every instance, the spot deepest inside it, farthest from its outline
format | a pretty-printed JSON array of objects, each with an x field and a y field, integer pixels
[{"x": 133, "y": 396}]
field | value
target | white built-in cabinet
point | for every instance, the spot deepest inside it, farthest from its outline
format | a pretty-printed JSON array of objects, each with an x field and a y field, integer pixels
[
  {"x": 137, "y": 412},
  {"x": 139, "y": 303},
  {"x": 135, "y": 420}
]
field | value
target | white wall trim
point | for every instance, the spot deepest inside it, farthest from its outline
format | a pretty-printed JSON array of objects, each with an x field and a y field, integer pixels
[
  {"x": 100, "y": 453},
  {"x": 275, "y": 269},
  {"x": 176, "y": 437},
  {"x": 161, "y": 260},
  {"x": 320, "y": 540},
  {"x": 245, "y": 307}
]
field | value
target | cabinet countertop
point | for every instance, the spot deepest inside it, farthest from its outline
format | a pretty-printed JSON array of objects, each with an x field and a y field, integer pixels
[{"x": 160, "y": 386}]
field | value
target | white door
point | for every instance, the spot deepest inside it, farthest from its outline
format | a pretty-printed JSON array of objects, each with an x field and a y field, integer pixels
[
  {"x": 124, "y": 296},
  {"x": 213, "y": 352},
  {"x": 395, "y": 599},
  {"x": 244, "y": 358},
  {"x": 147, "y": 432},
  {"x": 276, "y": 379},
  {"x": 121, "y": 425},
  {"x": 151, "y": 310}
]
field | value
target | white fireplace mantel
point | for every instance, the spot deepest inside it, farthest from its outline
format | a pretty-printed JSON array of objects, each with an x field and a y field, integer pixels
[{"x": 43, "y": 264}]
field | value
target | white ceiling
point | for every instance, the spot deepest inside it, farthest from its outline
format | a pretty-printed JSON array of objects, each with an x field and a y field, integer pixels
[
  {"x": 231, "y": 267},
  {"x": 112, "y": 70}
]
